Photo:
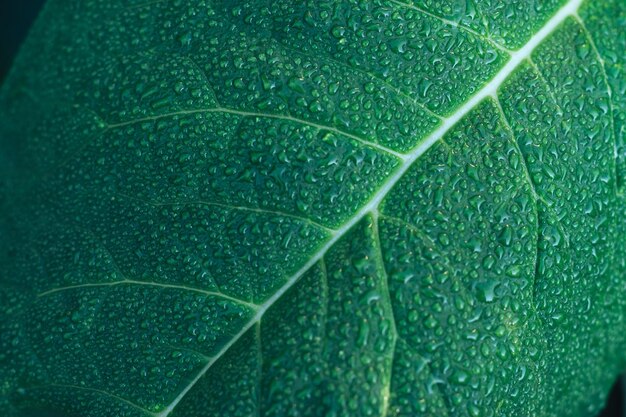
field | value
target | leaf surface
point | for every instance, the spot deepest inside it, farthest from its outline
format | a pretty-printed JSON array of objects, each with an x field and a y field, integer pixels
[{"x": 314, "y": 208}]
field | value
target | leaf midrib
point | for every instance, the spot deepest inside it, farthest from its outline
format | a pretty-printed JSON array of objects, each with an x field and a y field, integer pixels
[{"x": 489, "y": 89}]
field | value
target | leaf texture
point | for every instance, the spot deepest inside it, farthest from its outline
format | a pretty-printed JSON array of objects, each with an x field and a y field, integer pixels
[{"x": 314, "y": 208}]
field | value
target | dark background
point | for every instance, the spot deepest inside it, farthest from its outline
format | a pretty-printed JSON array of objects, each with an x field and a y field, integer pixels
[{"x": 16, "y": 16}]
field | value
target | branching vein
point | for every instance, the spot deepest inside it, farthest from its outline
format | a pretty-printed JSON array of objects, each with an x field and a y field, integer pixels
[
  {"x": 460, "y": 26},
  {"x": 606, "y": 84},
  {"x": 262, "y": 115},
  {"x": 370, "y": 75},
  {"x": 487, "y": 90},
  {"x": 545, "y": 83},
  {"x": 386, "y": 297},
  {"x": 100, "y": 392},
  {"x": 232, "y": 207},
  {"x": 252, "y": 306}
]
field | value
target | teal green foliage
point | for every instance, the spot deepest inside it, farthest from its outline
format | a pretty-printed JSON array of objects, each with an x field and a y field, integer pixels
[{"x": 314, "y": 208}]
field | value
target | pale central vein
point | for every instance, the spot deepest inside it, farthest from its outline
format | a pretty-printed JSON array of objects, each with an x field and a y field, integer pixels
[{"x": 488, "y": 90}]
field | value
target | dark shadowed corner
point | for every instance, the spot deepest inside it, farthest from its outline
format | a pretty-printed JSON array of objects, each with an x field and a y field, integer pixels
[{"x": 15, "y": 19}]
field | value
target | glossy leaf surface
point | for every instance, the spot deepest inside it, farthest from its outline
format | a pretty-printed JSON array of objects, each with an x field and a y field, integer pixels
[{"x": 314, "y": 208}]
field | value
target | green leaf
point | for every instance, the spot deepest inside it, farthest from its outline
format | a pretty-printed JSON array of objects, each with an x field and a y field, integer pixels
[{"x": 314, "y": 208}]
